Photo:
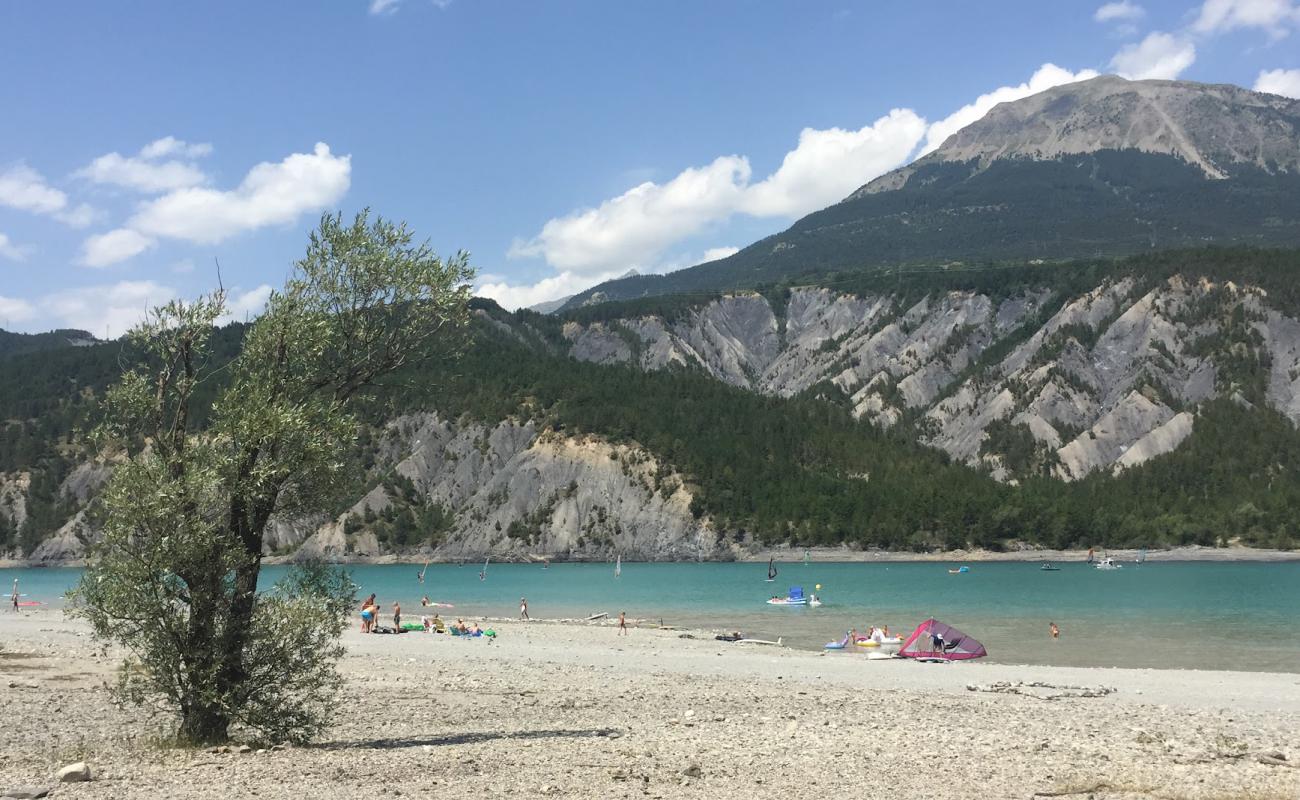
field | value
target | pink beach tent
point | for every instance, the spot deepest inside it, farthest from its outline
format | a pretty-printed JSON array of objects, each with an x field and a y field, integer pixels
[{"x": 933, "y": 639}]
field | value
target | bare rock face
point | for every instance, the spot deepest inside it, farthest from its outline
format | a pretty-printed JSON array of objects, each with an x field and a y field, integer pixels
[
  {"x": 517, "y": 493},
  {"x": 84, "y": 481},
  {"x": 13, "y": 497},
  {"x": 1109, "y": 381},
  {"x": 69, "y": 542}
]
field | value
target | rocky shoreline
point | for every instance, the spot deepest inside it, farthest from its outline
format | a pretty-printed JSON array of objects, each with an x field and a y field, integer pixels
[{"x": 821, "y": 554}]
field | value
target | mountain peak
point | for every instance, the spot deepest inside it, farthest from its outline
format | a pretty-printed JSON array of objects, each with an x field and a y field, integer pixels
[{"x": 1216, "y": 127}]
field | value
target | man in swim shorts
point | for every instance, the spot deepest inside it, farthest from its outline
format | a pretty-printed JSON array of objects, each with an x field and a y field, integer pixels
[
  {"x": 523, "y": 608},
  {"x": 397, "y": 616}
]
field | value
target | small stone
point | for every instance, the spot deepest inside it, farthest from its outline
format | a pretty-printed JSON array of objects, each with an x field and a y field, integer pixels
[
  {"x": 243, "y": 749},
  {"x": 690, "y": 713},
  {"x": 74, "y": 773},
  {"x": 25, "y": 793},
  {"x": 693, "y": 771}
]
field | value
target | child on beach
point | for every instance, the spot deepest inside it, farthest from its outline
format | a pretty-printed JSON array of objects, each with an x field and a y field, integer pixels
[{"x": 622, "y": 623}]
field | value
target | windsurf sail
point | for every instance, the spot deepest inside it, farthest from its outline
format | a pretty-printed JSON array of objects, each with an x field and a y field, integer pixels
[
  {"x": 422, "y": 571},
  {"x": 618, "y": 566},
  {"x": 806, "y": 558},
  {"x": 771, "y": 569},
  {"x": 1142, "y": 556},
  {"x": 483, "y": 573},
  {"x": 1090, "y": 555}
]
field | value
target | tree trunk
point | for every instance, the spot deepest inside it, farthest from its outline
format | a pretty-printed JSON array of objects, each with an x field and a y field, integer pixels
[{"x": 204, "y": 723}]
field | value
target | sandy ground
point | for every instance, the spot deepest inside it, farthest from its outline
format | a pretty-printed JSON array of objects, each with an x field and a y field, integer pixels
[{"x": 570, "y": 710}]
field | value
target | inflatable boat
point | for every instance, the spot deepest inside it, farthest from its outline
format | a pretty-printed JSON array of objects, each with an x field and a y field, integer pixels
[{"x": 795, "y": 597}]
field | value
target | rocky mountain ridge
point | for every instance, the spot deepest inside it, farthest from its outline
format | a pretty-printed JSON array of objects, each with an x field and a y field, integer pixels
[{"x": 1104, "y": 380}]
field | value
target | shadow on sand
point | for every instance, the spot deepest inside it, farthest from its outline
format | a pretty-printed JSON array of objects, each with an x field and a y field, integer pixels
[{"x": 464, "y": 738}]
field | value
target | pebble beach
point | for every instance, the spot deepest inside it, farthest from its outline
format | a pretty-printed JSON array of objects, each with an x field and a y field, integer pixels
[{"x": 570, "y": 709}]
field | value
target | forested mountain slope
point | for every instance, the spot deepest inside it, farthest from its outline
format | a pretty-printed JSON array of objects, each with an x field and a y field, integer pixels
[{"x": 1138, "y": 403}]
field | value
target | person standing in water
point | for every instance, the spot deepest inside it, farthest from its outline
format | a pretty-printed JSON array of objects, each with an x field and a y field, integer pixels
[
  {"x": 1056, "y": 632},
  {"x": 523, "y": 608},
  {"x": 622, "y": 623},
  {"x": 15, "y": 594}
]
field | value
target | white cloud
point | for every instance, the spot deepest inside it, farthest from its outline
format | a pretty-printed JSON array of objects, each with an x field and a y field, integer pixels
[
  {"x": 636, "y": 226},
  {"x": 1159, "y": 55},
  {"x": 80, "y": 216},
  {"x": 521, "y": 296},
  {"x": 141, "y": 174},
  {"x": 25, "y": 189},
  {"x": 829, "y": 164},
  {"x": 14, "y": 310},
  {"x": 633, "y": 229},
  {"x": 107, "y": 311},
  {"x": 1285, "y": 82},
  {"x": 243, "y": 306},
  {"x": 1122, "y": 11},
  {"x": 10, "y": 250},
  {"x": 384, "y": 8},
  {"x": 171, "y": 146},
  {"x": 270, "y": 194},
  {"x": 1044, "y": 78},
  {"x": 1275, "y": 17},
  {"x": 715, "y": 253},
  {"x": 116, "y": 245}
]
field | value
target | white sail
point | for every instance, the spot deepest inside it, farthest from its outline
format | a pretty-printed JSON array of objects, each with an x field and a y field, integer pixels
[{"x": 618, "y": 566}]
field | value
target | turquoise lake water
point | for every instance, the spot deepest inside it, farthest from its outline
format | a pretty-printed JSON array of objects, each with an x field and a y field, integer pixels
[{"x": 1202, "y": 615}]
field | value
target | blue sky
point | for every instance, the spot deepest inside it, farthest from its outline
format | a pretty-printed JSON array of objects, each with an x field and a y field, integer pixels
[{"x": 560, "y": 143}]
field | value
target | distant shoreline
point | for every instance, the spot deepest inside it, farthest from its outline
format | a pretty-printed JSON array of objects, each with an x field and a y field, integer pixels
[{"x": 817, "y": 554}]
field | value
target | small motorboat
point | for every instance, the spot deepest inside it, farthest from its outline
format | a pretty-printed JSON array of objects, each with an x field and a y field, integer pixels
[
  {"x": 962, "y": 570},
  {"x": 1107, "y": 563},
  {"x": 795, "y": 597},
  {"x": 1049, "y": 568}
]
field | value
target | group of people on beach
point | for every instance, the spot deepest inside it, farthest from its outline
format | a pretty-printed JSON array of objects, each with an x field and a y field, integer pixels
[{"x": 370, "y": 615}]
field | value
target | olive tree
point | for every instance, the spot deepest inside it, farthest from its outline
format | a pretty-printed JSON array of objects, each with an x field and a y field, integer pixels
[{"x": 175, "y": 578}]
